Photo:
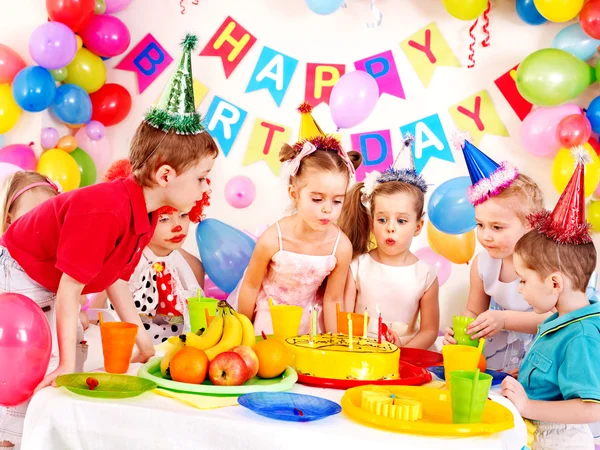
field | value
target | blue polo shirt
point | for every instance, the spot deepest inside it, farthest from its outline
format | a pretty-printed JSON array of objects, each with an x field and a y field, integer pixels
[{"x": 564, "y": 360}]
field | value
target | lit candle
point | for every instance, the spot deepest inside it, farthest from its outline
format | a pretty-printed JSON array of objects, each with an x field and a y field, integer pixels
[
  {"x": 350, "y": 331},
  {"x": 310, "y": 339},
  {"x": 314, "y": 319},
  {"x": 378, "y": 325},
  {"x": 365, "y": 322}
]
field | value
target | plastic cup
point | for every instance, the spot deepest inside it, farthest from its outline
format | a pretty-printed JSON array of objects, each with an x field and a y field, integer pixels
[
  {"x": 286, "y": 320},
  {"x": 118, "y": 339},
  {"x": 468, "y": 395},
  {"x": 459, "y": 325},
  {"x": 358, "y": 321},
  {"x": 196, "y": 307},
  {"x": 459, "y": 357}
]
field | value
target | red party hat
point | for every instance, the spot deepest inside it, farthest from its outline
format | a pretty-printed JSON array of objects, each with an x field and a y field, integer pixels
[{"x": 567, "y": 224}]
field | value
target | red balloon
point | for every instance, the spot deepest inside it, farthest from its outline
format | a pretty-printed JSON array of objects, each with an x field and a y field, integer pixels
[
  {"x": 573, "y": 130},
  {"x": 589, "y": 18},
  {"x": 73, "y": 13},
  {"x": 110, "y": 104},
  {"x": 595, "y": 145}
]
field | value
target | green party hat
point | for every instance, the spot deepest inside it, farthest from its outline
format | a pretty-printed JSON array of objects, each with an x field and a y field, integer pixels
[{"x": 175, "y": 109}]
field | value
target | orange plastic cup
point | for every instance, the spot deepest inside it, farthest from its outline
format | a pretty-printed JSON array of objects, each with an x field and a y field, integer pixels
[
  {"x": 118, "y": 339},
  {"x": 358, "y": 321}
]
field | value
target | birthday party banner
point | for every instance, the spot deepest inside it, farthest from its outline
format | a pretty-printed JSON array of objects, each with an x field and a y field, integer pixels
[
  {"x": 224, "y": 121},
  {"x": 507, "y": 84},
  {"x": 383, "y": 68},
  {"x": 273, "y": 72},
  {"x": 320, "y": 79},
  {"x": 265, "y": 142},
  {"x": 376, "y": 150},
  {"x": 430, "y": 141}
]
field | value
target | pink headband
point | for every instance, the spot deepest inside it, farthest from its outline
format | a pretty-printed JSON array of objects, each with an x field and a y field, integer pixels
[
  {"x": 308, "y": 149},
  {"x": 48, "y": 182}
]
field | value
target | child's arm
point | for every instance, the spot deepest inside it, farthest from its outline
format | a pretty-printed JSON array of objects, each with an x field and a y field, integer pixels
[
  {"x": 196, "y": 266},
  {"x": 490, "y": 322},
  {"x": 350, "y": 293},
  {"x": 336, "y": 282},
  {"x": 430, "y": 318}
]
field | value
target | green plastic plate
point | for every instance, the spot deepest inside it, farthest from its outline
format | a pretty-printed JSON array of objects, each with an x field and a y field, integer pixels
[
  {"x": 109, "y": 385},
  {"x": 284, "y": 382}
]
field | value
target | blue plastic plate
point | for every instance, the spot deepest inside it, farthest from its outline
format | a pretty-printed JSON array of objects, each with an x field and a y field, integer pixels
[
  {"x": 497, "y": 377},
  {"x": 289, "y": 407}
]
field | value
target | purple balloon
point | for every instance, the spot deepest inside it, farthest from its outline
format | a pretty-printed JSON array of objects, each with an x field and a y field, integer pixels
[
  {"x": 240, "y": 192},
  {"x": 106, "y": 36},
  {"x": 112, "y": 6},
  {"x": 20, "y": 155},
  {"x": 443, "y": 266},
  {"x": 94, "y": 130},
  {"x": 7, "y": 169},
  {"x": 49, "y": 138},
  {"x": 53, "y": 45},
  {"x": 353, "y": 99}
]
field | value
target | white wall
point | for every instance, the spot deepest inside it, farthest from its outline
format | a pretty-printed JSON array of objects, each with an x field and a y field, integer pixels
[{"x": 288, "y": 26}]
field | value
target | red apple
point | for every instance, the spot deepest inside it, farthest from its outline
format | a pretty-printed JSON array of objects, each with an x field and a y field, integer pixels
[
  {"x": 228, "y": 369},
  {"x": 250, "y": 359}
]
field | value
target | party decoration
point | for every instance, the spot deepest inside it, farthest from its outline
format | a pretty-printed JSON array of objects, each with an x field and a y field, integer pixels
[
  {"x": 110, "y": 104},
  {"x": 67, "y": 143},
  {"x": 224, "y": 121},
  {"x": 73, "y": 13},
  {"x": 589, "y": 19},
  {"x": 593, "y": 215},
  {"x": 148, "y": 59},
  {"x": 376, "y": 150},
  {"x": 273, "y": 72},
  {"x": 309, "y": 128},
  {"x": 86, "y": 70},
  {"x": 94, "y": 130},
  {"x": 20, "y": 155},
  {"x": 465, "y": 9},
  {"x": 478, "y": 116},
  {"x": 324, "y": 7},
  {"x": 574, "y": 40},
  {"x": 99, "y": 7},
  {"x": 265, "y": 142},
  {"x": 10, "y": 64},
  {"x": 573, "y": 130},
  {"x": 528, "y": 12},
  {"x": 52, "y": 45},
  {"x": 426, "y": 50},
  {"x": 550, "y": 76},
  {"x": 9, "y": 110},
  {"x": 99, "y": 150},
  {"x": 25, "y": 347},
  {"x": 457, "y": 248},
  {"x": 593, "y": 114},
  {"x": 106, "y": 35},
  {"x": 7, "y": 170},
  {"x": 559, "y": 10},
  {"x": 240, "y": 192},
  {"x": 382, "y": 67},
  {"x": 225, "y": 252},
  {"x": 49, "y": 138},
  {"x": 60, "y": 166},
  {"x": 34, "y": 89},
  {"x": 212, "y": 291},
  {"x": 72, "y": 104},
  {"x": 87, "y": 168},
  {"x": 564, "y": 165},
  {"x": 353, "y": 99},
  {"x": 59, "y": 75},
  {"x": 449, "y": 208},
  {"x": 430, "y": 141},
  {"x": 538, "y": 132},
  {"x": 231, "y": 43},
  {"x": 320, "y": 80},
  {"x": 508, "y": 86},
  {"x": 443, "y": 266},
  {"x": 113, "y": 6}
]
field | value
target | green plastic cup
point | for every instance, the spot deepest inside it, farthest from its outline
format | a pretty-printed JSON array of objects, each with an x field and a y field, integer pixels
[
  {"x": 196, "y": 307},
  {"x": 468, "y": 394},
  {"x": 459, "y": 325}
]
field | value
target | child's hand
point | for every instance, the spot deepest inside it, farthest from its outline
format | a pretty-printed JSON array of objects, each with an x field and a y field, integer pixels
[
  {"x": 449, "y": 337},
  {"x": 49, "y": 379},
  {"x": 514, "y": 391},
  {"x": 486, "y": 325},
  {"x": 142, "y": 356},
  {"x": 392, "y": 337}
]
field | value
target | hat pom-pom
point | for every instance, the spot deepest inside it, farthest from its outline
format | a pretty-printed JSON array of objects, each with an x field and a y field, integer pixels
[{"x": 305, "y": 108}]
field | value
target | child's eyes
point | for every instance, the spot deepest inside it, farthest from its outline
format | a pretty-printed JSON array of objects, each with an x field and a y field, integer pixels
[
  {"x": 202, "y": 180},
  {"x": 183, "y": 215},
  {"x": 402, "y": 221},
  {"x": 381, "y": 220},
  {"x": 521, "y": 281},
  {"x": 497, "y": 228},
  {"x": 337, "y": 202},
  {"x": 316, "y": 200},
  {"x": 480, "y": 225},
  {"x": 163, "y": 219}
]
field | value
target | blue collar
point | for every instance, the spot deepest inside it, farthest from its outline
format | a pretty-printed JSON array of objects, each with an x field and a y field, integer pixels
[{"x": 555, "y": 323}]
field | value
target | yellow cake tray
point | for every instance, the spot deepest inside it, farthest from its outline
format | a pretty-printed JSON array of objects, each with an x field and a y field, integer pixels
[{"x": 437, "y": 413}]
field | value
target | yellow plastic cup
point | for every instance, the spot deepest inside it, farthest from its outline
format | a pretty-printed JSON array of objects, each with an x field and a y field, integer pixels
[
  {"x": 459, "y": 357},
  {"x": 118, "y": 339},
  {"x": 286, "y": 320},
  {"x": 196, "y": 307}
]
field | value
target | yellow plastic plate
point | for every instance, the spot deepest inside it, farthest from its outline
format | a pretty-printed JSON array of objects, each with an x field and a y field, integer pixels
[{"x": 437, "y": 413}]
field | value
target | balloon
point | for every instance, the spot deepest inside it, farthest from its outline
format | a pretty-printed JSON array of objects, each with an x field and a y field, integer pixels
[
  {"x": 240, "y": 192},
  {"x": 550, "y": 76},
  {"x": 33, "y": 89},
  {"x": 52, "y": 45},
  {"x": 111, "y": 104},
  {"x": 6, "y": 170},
  {"x": 589, "y": 19},
  {"x": 113, "y": 6},
  {"x": 353, "y": 98},
  {"x": 211, "y": 290},
  {"x": 79, "y": 42},
  {"x": 528, "y": 12},
  {"x": 99, "y": 7},
  {"x": 457, "y": 248},
  {"x": 10, "y": 64},
  {"x": 67, "y": 143},
  {"x": 593, "y": 215},
  {"x": 106, "y": 35},
  {"x": 564, "y": 166},
  {"x": 573, "y": 130},
  {"x": 593, "y": 114},
  {"x": 25, "y": 346},
  {"x": 465, "y": 9},
  {"x": 99, "y": 150},
  {"x": 559, "y": 10},
  {"x": 49, "y": 138},
  {"x": 20, "y": 155},
  {"x": 94, "y": 130},
  {"x": 573, "y": 39},
  {"x": 87, "y": 168},
  {"x": 9, "y": 110},
  {"x": 449, "y": 209},
  {"x": 225, "y": 252},
  {"x": 538, "y": 132},
  {"x": 86, "y": 70},
  {"x": 73, "y": 13},
  {"x": 443, "y": 266},
  {"x": 324, "y": 7},
  {"x": 60, "y": 167},
  {"x": 59, "y": 75},
  {"x": 72, "y": 104}
]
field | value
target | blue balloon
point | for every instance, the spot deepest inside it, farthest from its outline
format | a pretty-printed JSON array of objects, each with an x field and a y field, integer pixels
[
  {"x": 225, "y": 252},
  {"x": 573, "y": 39},
  {"x": 34, "y": 89},
  {"x": 324, "y": 7},
  {"x": 449, "y": 208},
  {"x": 72, "y": 104},
  {"x": 593, "y": 114},
  {"x": 528, "y": 12}
]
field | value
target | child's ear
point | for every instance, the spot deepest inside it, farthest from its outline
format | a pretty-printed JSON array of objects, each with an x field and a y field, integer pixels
[
  {"x": 292, "y": 192},
  {"x": 9, "y": 219},
  {"x": 420, "y": 224},
  {"x": 164, "y": 174},
  {"x": 558, "y": 283}
]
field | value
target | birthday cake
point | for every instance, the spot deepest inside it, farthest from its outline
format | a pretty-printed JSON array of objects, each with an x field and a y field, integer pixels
[{"x": 330, "y": 356}]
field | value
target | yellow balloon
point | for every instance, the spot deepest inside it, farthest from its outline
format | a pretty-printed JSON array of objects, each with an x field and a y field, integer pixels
[
  {"x": 61, "y": 167},
  {"x": 86, "y": 70},
  {"x": 593, "y": 215},
  {"x": 564, "y": 166},
  {"x": 79, "y": 42},
  {"x": 457, "y": 248},
  {"x": 465, "y": 9},
  {"x": 558, "y": 10},
  {"x": 9, "y": 110}
]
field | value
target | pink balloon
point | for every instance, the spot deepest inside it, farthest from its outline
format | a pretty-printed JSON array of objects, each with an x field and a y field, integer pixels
[
  {"x": 20, "y": 155},
  {"x": 443, "y": 266},
  {"x": 99, "y": 150},
  {"x": 10, "y": 64},
  {"x": 353, "y": 99},
  {"x": 573, "y": 130},
  {"x": 538, "y": 131},
  {"x": 240, "y": 192},
  {"x": 113, "y": 6},
  {"x": 25, "y": 346},
  {"x": 212, "y": 291},
  {"x": 106, "y": 36}
]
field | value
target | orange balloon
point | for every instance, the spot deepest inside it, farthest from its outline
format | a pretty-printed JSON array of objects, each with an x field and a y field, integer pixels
[
  {"x": 67, "y": 143},
  {"x": 457, "y": 248}
]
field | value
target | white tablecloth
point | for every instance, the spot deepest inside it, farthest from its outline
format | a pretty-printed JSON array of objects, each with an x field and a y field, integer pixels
[{"x": 58, "y": 419}]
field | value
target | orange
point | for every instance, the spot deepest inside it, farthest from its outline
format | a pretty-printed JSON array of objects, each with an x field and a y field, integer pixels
[
  {"x": 273, "y": 358},
  {"x": 482, "y": 363},
  {"x": 189, "y": 365}
]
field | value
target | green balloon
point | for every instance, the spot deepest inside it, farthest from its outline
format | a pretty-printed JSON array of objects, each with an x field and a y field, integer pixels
[
  {"x": 59, "y": 74},
  {"x": 86, "y": 167},
  {"x": 100, "y": 7},
  {"x": 551, "y": 77}
]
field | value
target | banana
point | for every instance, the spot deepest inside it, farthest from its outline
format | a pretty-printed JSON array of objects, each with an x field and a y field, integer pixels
[
  {"x": 211, "y": 336},
  {"x": 232, "y": 335},
  {"x": 166, "y": 361},
  {"x": 248, "y": 337}
]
